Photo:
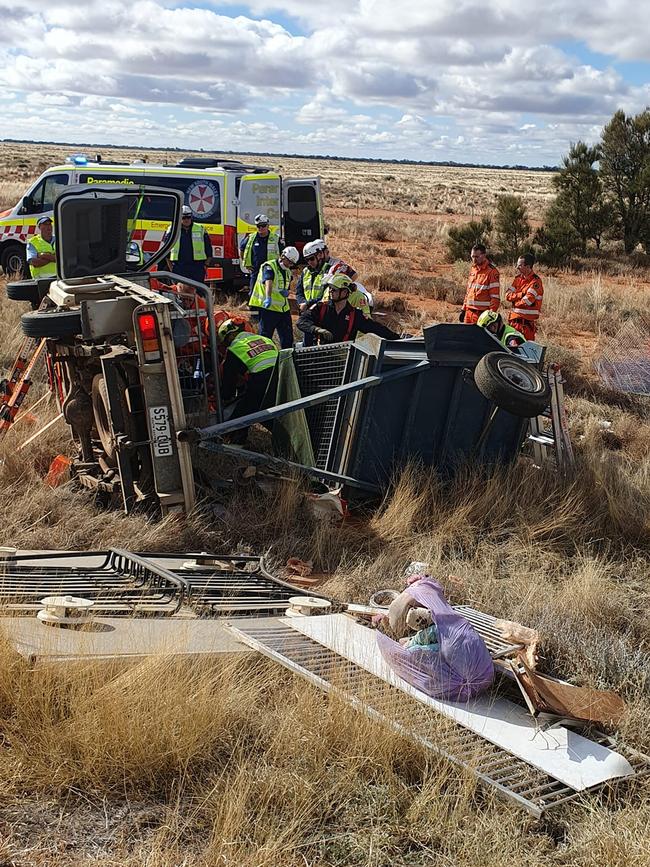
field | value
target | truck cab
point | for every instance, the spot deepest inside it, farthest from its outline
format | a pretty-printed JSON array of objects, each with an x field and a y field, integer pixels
[{"x": 130, "y": 364}]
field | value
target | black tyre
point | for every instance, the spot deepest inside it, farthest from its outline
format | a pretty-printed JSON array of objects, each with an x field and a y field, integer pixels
[
  {"x": 101, "y": 413},
  {"x": 12, "y": 259},
  {"x": 512, "y": 384},
  {"x": 51, "y": 323},
  {"x": 24, "y": 290}
]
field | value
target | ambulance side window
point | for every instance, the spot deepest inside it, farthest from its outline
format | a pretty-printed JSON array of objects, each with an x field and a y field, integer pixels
[
  {"x": 42, "y": 197},
  {"x": 203, "y": 197}
]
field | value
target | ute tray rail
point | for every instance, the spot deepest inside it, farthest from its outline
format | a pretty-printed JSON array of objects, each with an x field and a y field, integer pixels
[{"x": 121, "y": 583}]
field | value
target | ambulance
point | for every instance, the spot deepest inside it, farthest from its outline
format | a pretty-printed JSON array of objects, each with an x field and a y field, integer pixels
[{"x": 224, "y": 195}]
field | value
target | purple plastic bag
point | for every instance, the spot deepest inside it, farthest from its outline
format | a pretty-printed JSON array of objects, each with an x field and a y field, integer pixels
[{"x": 460, "y": 669}]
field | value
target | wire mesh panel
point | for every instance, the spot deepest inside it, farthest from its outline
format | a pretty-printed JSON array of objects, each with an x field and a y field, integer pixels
[
  {"x": 118, "y": 583},
  {"x": 511, "y": 777},
  {"x": 624, "y": 363},
  {"x": 189, "y": 329},
  {"x": 229, "y": 585},
  {"x": 317, "y": 369},
  {"x": 158, "y": 585}
]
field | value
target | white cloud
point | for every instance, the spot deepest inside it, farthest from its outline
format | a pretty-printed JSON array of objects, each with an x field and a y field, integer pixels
[{"x": 465, "y": 75}]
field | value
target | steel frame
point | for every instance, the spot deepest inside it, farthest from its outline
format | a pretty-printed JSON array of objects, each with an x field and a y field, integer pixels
[{"x": 509, "y": 776}]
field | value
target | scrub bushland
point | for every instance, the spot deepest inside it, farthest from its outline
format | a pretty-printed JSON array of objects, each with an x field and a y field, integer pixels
[{"x": 238, "y": 762}]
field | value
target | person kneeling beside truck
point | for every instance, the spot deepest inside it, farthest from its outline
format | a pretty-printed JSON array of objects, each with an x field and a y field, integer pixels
[
  {"x": 247, "y": 371},
  {"x": 336, "y": 320}
]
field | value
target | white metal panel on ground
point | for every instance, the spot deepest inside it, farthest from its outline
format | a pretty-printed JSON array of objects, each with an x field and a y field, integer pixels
[
  {"x": 563, "y": 754},
  {"x": 118, "y": 637}
]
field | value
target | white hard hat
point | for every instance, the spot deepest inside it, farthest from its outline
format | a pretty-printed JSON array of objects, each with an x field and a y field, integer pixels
[
  {"x": 311, "y": 248},
  {"x": 321, "y": 244},
  {"x": 291, "y": 255},
  {"x": 261, "y": 218},
  {"x": 186, "y": 211}
]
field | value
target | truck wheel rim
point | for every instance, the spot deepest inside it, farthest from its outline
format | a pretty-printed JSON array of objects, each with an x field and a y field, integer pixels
[{"x": 525, "y": 380}]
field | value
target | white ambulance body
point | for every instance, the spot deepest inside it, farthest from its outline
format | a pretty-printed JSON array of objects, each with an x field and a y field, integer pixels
[{"x": 224, "y": 195}]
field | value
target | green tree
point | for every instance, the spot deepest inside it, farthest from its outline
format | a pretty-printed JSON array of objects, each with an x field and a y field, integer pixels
[
  {"x": 625, "y": 173},
  {"x": 512, "y": 226},
  {"x": 580, "y": 194},
  {"x": 557, "y": 240},
  {"x": 461, "y": 239}
]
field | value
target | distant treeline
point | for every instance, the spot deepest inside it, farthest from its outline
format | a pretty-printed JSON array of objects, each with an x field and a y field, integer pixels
[{"x": 440, "y": 163}]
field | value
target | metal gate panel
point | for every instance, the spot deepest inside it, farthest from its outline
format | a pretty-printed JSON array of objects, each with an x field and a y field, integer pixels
[
  {"x": 511, "y": 777},
  {"x": 319, "y": 368}
]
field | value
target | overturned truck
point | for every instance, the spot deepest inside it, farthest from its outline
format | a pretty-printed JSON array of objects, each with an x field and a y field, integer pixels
[{"x": 134, "y": 365}]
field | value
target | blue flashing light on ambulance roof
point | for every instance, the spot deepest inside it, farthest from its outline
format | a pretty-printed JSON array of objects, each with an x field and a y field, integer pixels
[{"x": 77, "y": 159}]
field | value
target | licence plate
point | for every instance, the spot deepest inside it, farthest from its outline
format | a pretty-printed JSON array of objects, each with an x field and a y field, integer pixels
[{"x": 161, "y": 432}]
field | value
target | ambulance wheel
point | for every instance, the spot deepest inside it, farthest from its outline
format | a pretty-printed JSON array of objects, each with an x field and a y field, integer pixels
[
  {"x": 24, "y": 290},
  {"x": 513, "y": 385},
  {"x": 12, "y": 259},
  {"x": 51, "y": 323}
]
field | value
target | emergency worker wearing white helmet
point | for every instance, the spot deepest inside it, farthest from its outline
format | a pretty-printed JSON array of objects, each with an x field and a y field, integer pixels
[
  {"x": 332, "y": 265},
  {"x": 309, "y": 289},
  {"x": 270, "y": 296}
]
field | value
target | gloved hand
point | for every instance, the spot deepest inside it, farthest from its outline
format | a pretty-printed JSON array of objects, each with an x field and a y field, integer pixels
[
  {"x": 266, "y": 303},
  {"x": 324, "y": 335},
  {"x": 284, "y": 293},
  {"x": 461, "y": 316}
]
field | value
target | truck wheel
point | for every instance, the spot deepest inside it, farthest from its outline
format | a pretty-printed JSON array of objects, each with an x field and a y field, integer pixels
[
  {"x": 101, "y": 414},
  {"x": 12, "y": 259},
  {"x": 511, "y": 384},
  {"x": 24, "y": 290},
  {"x": 51, "y": 323}
]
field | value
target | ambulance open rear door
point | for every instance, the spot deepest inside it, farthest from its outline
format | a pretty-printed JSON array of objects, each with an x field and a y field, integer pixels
[{"x": 302, "y": 211}]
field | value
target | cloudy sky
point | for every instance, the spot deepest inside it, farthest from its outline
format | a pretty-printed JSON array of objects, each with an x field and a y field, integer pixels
[{"x": 509, "y": 81}]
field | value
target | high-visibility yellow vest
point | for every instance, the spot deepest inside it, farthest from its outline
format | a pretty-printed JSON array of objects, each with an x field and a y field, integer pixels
[
  {"x": 272, "y": 247},
  {"x": 508, "y": 331},
  {"x": 311, "y": 285},
  {"x": 356, "y": 298},
  {"x": 198, "y": 247},
  {"x": 256, "y": 352},
  {"x": 42, "y": 246},
  {"x": 279, "y": 291}
]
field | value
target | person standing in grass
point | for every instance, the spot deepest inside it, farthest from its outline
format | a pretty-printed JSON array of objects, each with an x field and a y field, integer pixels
[
  {"x": 270, "y": 296},
  {"x": 525, "y": 295},
  {"x": 258, "y": 247},
  {"x": 192, "y": 252},
  {"x": 483, "y": 285},
  {"x": 40, "y": 250}
]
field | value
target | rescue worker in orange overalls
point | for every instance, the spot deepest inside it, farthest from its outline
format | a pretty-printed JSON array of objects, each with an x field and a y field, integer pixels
[
  {"x": 483, "y": 287},
  {"x": 525, "y": 295}
]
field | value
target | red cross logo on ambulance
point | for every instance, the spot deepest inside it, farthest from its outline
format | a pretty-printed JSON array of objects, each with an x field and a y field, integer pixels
[{"x": 203, "y": 199}]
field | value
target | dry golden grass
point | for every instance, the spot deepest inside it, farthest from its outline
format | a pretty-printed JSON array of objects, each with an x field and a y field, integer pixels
[
  {"x": 346, "y": 184},
  {"x": 239, "y": 763}
]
